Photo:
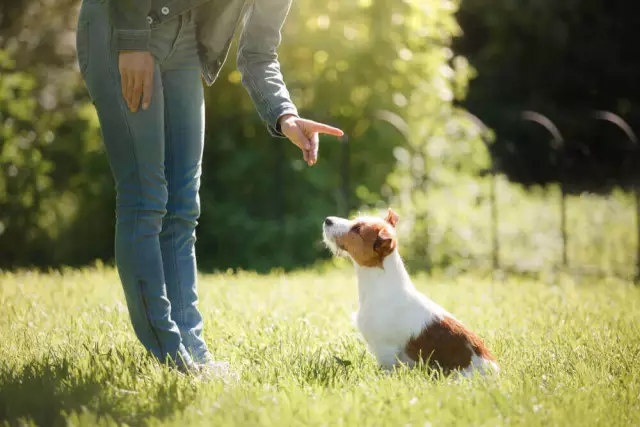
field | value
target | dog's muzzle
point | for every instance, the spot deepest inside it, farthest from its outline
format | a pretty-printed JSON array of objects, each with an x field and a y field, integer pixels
[{"x": 331, "y": 229}]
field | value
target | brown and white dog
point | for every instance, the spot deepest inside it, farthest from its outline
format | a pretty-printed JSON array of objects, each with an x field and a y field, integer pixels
[{"x": 400, "y": 324}]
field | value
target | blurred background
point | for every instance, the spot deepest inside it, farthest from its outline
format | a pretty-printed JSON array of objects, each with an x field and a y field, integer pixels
[{"x": 502, "y": 131}]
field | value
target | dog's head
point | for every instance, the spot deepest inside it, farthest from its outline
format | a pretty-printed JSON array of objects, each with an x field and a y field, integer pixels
[{"x": 366, "y": 240}]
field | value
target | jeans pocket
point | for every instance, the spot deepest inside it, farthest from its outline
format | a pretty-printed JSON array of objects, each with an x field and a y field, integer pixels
[{"x": 82, "y": 46}]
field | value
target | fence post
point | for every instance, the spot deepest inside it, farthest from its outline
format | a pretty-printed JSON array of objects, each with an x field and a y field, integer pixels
[
  {"x": 559, "y": 145},
  {"x": 493, "y": 192},
  {"x": 494, "y": 220},
  {"x": 633, "y": 142}
]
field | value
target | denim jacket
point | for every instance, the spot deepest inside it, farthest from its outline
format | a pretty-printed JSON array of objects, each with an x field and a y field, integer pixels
[{"x": 216, "y": 23}]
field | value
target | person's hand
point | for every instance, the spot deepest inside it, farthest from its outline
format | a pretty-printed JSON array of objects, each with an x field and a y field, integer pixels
[
  {"x": 304, "y": 133},
  {"x": 136, "y": 72}
]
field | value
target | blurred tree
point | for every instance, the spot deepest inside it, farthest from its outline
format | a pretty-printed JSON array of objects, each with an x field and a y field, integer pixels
[
  {"x": 50, "y": 155},
  {"x": 343, "y": 61},
  {"x": 262, "y": 206},
  {"x": 564, "y": 59}
]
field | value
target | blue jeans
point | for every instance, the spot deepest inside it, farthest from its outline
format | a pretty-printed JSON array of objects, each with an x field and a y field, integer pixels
[{"x": 155, "y": 157}]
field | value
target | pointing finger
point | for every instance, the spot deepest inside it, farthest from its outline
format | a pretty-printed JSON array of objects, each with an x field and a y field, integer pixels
[{"x": 322, "y": 128}]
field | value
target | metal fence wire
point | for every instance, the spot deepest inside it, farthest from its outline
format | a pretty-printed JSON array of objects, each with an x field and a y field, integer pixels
[{"x": 572, "y": 214}]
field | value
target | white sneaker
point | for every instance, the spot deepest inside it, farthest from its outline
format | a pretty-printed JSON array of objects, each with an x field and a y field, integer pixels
[{"x": 211, "y": 370}]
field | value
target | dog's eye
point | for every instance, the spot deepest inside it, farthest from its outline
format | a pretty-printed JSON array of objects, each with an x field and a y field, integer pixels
[{"x": 356, "y": 228}]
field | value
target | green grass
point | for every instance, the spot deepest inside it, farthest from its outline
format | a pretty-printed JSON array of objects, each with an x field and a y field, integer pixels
[{"x": 569, "y": 353}]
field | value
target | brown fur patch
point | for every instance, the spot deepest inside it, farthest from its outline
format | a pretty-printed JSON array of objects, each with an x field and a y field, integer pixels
[
  {"x": 447, "y": 344},
  {"x": 368, "y": 244}
]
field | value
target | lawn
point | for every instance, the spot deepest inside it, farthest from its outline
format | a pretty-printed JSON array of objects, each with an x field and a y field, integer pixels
[{"x": 569, "y": 353}]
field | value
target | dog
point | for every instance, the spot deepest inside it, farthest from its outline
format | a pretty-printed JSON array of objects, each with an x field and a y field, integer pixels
[{"x": 400, "y": 325}]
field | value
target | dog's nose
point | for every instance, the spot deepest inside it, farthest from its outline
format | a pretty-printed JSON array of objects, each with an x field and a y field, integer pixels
[{"x": 328, "y": 221}]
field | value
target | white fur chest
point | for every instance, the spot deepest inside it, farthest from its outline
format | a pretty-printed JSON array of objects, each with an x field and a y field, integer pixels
[{"x": 391, "y": 311}]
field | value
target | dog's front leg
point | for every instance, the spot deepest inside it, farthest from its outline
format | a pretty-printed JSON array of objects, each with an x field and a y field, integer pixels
[{"x": 387, "y": 357}]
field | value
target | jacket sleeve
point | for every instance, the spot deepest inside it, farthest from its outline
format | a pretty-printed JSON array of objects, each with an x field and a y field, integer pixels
[
  {"x": 258, "y": 61},
  {"x": 129, "y": 19}
]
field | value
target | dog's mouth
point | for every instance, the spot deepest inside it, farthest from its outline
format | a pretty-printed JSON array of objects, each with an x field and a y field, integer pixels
[{"x": 330, "y": 241}]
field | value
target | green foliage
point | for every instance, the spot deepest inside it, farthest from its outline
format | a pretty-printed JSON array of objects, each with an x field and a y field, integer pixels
[
  {"x": 262, "y": 206},
  {"x": 49, "y": 164},
  {"x": 568, "y": 355},
  {"x": 344, "y": 62},
  {"x": 564, "y": 59}
]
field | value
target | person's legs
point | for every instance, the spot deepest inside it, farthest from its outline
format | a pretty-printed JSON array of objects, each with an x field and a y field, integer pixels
[
  {"x": 184, "y": 140},
  {"x": 135, "y": 148}
]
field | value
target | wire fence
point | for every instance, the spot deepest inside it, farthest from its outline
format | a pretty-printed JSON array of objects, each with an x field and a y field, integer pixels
[{"x": 585, "y": 235}]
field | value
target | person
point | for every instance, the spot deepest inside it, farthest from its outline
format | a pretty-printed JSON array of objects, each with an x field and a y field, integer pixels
[{"x": 142, "y": 62}]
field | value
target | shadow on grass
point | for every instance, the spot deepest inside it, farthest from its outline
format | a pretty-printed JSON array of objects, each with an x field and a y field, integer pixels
[
  {"x": 44, "y": 391},
  {"x": 40, "y": 392}
]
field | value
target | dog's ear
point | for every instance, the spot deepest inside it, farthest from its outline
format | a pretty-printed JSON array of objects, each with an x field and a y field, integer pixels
[
  {"x": 392, "y": 217},
  {"x": 385, "y": 243}
]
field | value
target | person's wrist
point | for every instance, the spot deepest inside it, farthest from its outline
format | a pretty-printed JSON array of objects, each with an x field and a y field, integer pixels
[{"x": 285, "y": 118}]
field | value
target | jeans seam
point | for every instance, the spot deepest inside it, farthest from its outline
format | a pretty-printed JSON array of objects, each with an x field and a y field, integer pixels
[
  {"x": 136, "y": 218},
  {"x": 146, "y": 312},
  {"x": 172, "y": 234}
]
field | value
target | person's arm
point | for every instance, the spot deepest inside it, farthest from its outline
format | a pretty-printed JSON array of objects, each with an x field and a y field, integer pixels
[
  {"x": 260, "y": 69},
  {"x": 129, "y": 20},
  {"x": 258, "y": 61}
]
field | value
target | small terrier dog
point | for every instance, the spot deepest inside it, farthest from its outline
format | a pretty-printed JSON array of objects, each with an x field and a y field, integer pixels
[{"x": 399, "y": 324}]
